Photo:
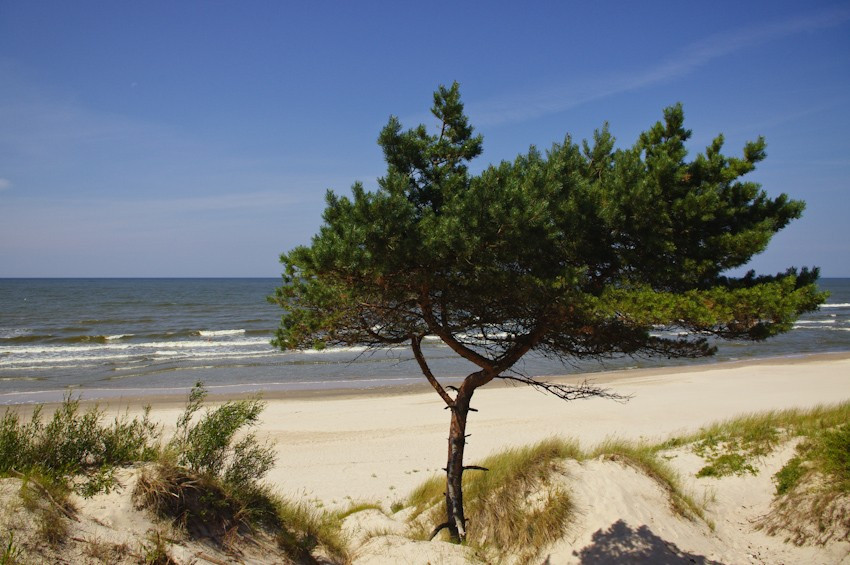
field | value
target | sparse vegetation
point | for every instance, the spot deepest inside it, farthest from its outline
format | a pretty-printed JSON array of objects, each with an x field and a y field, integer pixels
[
  {"x": 208, "y": 481},
  {"x": 356, "y": 507},
  {"x": 74, "y": 449},
  {"x": 513, "y": 506},
  {"x": 812, "y": 488},
  {"x": 99, "y": 551},
  {"x": 734, "y": 446},
  {"x": 645, "y": 458},
  {"x": 155, "y": 550},
  {"x": 47, "y": 500},
  {"x": 11, "y": 552}
]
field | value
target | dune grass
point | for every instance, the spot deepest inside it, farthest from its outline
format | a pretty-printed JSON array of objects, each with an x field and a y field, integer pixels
[
  {"x": 734, "y": 446},
  {"x": 645, "y": 458},
  {"x": 513, "y": 507},
  {"x": 11, "y": 552},
  {"x": 812, "y": 498},
  {"x": 813, "y": 490},
  {"x": 72, "y": 451},
  {"x": 516, "y": 504},
  {"x": 208, "y": 478}
]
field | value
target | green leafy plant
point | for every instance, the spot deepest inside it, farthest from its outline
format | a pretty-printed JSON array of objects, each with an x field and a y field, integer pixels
[
  {"x": 75, "y": 448},
  {"x": 208, "y": 481}
]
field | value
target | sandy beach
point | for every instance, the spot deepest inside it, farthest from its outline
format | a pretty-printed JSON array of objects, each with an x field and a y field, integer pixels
[{"x": 376, "y": 447}]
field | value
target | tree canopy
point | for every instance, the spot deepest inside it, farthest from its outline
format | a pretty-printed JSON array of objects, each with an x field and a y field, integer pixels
[
  {"x": 581, "y": 251},
  {"x": 584, "y": 250}
]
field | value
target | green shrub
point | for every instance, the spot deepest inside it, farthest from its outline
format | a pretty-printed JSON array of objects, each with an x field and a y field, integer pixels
[
  {"x": 833, "y": 456},
  {"x": 74, "y": 445},
  {"x": 208, "y": 481},
  {"x": 207, "y": 445},
  {"x": 789, "y": 475}
]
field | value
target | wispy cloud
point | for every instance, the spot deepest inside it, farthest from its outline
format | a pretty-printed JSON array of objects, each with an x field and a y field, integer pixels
[
  {"x": 5, "y": 184},
  {"x": 522, "y": 106}
]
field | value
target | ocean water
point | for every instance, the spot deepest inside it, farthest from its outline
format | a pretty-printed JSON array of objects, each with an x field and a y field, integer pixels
[{"x": 111, "y": 337}]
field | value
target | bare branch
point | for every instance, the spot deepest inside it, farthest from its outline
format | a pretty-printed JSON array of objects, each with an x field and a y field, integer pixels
[
  {"x": 437, "y": 530},
  {"x": 569, "y": 392},
  {"x": 475, "y": 468},
  {"x": 416, "y": 345},
  {"x": 448, "y": 338}
]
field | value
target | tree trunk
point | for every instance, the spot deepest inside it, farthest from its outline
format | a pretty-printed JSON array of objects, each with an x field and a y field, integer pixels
[{"x": 456, "y": 521}]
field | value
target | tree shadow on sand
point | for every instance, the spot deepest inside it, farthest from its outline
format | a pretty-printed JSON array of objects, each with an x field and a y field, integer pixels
[{"x": 622, "y": 544}]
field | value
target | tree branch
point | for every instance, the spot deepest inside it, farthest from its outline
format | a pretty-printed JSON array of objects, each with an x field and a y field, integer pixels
[
  {"x": 416, "y": 345},
  {"x": 568, "y": 392},
  {"x": 449, "y": 339}
]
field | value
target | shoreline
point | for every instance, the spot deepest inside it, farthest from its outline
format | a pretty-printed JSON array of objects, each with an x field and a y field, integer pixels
[{"x": 161, "y": 397}]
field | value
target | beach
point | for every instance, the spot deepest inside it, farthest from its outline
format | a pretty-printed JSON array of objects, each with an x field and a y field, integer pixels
[
  {"x": 359, "y": 446},
  {"x": 380, "y": 446}
]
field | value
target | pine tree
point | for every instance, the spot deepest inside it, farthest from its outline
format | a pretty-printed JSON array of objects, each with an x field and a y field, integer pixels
[{"x": 583, "y": 251}]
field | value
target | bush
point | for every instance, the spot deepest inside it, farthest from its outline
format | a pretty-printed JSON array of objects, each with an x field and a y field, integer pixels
[
  {"x": 207, "y": 447},
  {"x": 208, "y": 481},
  {"x": 74, "y": 443}
]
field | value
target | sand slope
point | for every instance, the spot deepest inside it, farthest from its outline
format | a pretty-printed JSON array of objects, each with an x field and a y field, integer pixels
[{"x": 379, "y": 447}]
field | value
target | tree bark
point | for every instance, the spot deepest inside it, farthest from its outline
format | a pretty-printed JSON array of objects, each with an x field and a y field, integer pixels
[{"x": 456, "y": 520}]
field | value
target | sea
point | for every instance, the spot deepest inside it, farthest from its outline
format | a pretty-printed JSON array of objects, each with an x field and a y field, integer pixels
[{"x": 104, "y": 338}]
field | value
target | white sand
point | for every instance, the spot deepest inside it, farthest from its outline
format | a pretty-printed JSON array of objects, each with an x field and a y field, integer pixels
[{"x": 378, "y": 447}]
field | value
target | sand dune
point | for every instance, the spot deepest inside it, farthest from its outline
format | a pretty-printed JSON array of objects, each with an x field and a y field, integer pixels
[{"x": 378, "y": 447}]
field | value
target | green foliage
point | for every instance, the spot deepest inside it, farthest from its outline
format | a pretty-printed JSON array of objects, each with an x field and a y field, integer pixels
[
  {"x": 208, "y": 447},
  {"x": 733, "y": 446},
  {"x": 155, "y": 551},
  {"x": 833, "y": 453},
  {"x": 208, "y": 481},
  {"x": 825, "y": 453},
  {"x": 584, "y": 251},
  {"x": 75, "y": 445},
  {"x": 727, "y": 464},
  {"x": 581, "y": 251},
  {"x": 789, "y": 475}
]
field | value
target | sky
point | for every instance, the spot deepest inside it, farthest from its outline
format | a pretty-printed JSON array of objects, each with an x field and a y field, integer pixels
[{"x": 198, "y": 139}]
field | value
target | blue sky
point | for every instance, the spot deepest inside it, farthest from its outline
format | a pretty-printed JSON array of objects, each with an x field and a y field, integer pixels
[{"x": 198, "y": 138}]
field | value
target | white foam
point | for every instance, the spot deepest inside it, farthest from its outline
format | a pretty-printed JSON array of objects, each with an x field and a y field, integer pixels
[
  {"x": 836, "y": 305},
  {"x": 219, "y": 333},
  {"x": 347, "y": 349},
  {"x": 11, "y": 333},
  {"x": 815, "y": 321}
]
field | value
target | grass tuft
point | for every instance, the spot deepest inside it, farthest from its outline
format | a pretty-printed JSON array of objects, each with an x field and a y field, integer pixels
[
  {"x": 644, "y": 457},
  {"x": 732, "y": 446},
  {"x": 208, "y": 481},
  {"x": 11, "y": 553},
  {"x": 356, "y": 507},
  {"x": 515, "y": 506}
]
